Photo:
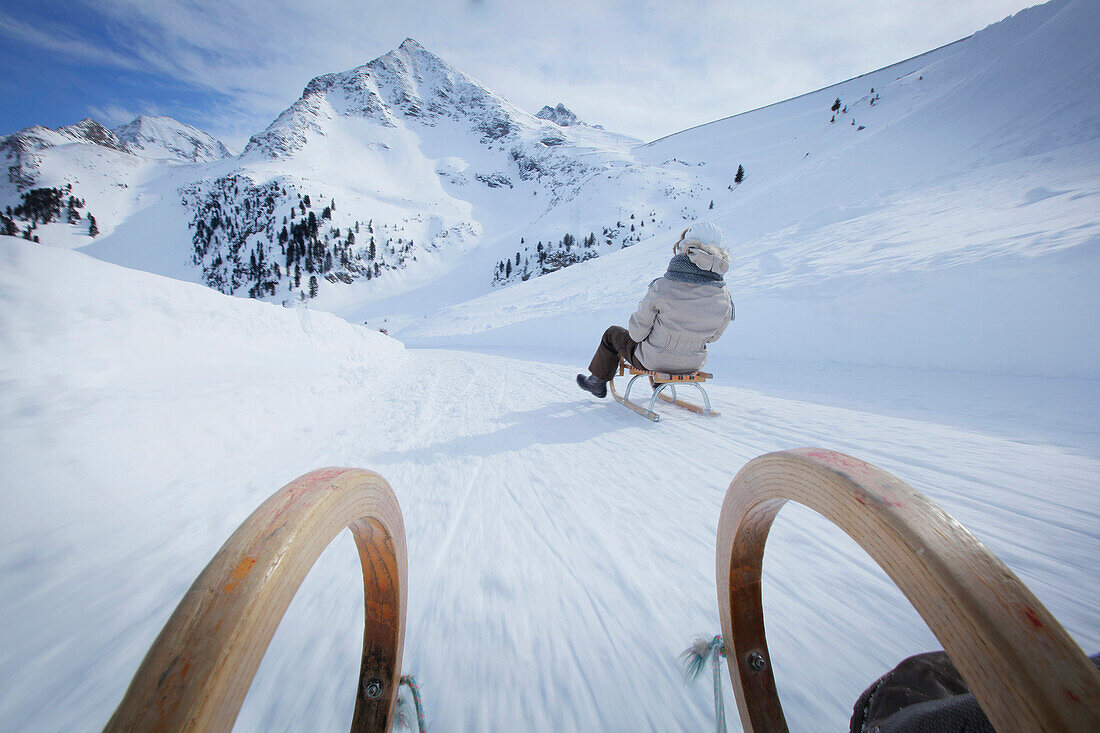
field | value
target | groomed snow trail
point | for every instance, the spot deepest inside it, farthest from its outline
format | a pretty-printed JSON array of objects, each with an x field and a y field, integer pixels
[{"x": 561, "y": 549}]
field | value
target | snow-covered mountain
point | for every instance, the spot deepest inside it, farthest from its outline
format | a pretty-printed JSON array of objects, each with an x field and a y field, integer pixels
[
  {"x": 402, "y": 170},
  {"x": 164, "y": 137},
  {"x": 23, "y": 150},
  {"x": 111, "y": 172}
]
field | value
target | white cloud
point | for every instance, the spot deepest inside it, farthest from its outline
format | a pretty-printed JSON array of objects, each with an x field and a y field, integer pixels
[
  {"x": 641, "y": 67},
  {"x": 63, "y": 42}
]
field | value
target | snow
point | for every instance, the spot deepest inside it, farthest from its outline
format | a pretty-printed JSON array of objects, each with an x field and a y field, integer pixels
[
  {"x": 560, "y": 548},
  {"x": 920, "y": 294}
]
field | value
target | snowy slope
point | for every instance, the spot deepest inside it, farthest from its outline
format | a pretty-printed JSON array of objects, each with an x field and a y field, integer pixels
[
  {"x": 558, "y": 561},
  {"x": 977, "y": 170},
  {"x": 919, "y": 293}
]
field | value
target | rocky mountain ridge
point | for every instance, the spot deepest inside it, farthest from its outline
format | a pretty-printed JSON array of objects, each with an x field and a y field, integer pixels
[
  {"x": 164, "y": 137},
  {"x": 560, "y": 115}
]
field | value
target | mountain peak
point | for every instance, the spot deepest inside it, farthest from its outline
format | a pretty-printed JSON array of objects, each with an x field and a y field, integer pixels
[
  {"x": 157, "y": 136},
  {"x": 560, "y": 115},
  {"x": 88, "y": 130},
  {"x": 407, "y": 85}
]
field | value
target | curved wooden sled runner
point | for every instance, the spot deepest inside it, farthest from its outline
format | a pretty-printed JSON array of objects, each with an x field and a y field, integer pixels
[
  {"x": 199, "y": 669},
  {"x": 1020, "y": 664}
]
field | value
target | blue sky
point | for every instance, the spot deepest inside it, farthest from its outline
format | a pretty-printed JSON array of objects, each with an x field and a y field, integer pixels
[{"x": 640, "y": 67}]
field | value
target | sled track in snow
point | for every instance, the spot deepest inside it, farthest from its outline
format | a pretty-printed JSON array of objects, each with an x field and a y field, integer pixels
[{"x": 1021, "y": 665}]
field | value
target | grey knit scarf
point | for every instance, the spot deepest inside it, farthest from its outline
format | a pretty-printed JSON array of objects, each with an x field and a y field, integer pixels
[{"x": 683, "y": 269}]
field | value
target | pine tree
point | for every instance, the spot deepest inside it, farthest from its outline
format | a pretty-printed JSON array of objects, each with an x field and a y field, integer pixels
[
  {"x": 93, "y": 230},
  {"x": 740, "y": 176},
  {"x": 836, "y": 105},
  {"x": 74, "y": 204},
  {"x": 313, "y": 286}
]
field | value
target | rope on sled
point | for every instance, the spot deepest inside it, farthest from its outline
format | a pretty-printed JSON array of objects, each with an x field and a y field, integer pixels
[
  {"x": 694, "y": 660},
  {"x": 402, "y": 707}
]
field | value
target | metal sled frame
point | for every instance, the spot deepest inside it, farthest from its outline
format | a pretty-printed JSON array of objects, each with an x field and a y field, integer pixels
[{"x": 658, "y": 381}]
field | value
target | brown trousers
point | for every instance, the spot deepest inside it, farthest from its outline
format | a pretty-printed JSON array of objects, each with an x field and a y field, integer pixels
[{"x": 616, "y": 342}]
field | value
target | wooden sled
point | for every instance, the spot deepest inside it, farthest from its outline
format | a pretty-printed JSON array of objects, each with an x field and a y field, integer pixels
[
  {"x": 1021, "y": 665},
  {"x": 659, "y": 381},
  {"x": 1023, "y": 669},
  {"x": 196, "y": 674}
]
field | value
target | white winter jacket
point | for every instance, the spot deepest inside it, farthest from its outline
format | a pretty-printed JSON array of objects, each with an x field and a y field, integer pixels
[{"x": 676, "y": 320}]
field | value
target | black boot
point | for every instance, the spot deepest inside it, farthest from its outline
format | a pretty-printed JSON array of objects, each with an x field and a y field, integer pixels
[{"x": 593, "y": 385}]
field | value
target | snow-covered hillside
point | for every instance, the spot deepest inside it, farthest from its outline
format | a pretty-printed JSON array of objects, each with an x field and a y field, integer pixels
[
  {"x": 561, "y": 549},
  {"x": 115, "y": 173},
  {"x": 915, "y": 278},
  {"x": 962, "y": 169}
]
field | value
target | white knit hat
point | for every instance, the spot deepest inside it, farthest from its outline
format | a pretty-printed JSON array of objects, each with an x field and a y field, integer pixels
[
  {"x": 703, "y": 232},
  {"x": 702, "y": 243}
]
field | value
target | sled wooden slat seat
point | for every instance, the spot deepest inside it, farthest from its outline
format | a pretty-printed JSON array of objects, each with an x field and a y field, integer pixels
[
  {"x": 661, "y": 377},
  {"x": 1022, "y": 667},
  {"x": 198, "y": 671},
  {"x": 659, "y": 381}
]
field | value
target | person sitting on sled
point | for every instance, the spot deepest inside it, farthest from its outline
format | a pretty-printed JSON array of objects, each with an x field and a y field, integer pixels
[{"x": 684, "y": 310}]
